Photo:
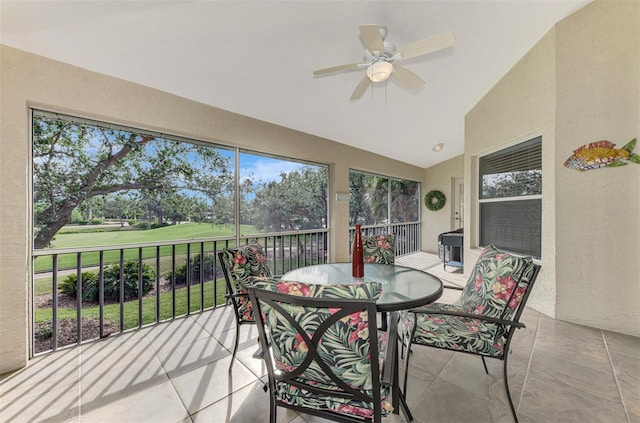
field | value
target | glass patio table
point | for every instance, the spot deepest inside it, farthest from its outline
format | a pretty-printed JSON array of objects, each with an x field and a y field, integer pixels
[{"x": 403, "y": 288}]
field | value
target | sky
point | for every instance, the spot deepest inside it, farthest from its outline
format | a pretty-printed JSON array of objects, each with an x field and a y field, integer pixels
[{"x": 265, "y": 168}]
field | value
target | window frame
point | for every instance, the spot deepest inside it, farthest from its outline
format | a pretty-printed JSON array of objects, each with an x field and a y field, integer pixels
[
  {"x": 235, "y": 152},
  {"x": 389, "y": 197},
  {"x": 479, "y": 200}
]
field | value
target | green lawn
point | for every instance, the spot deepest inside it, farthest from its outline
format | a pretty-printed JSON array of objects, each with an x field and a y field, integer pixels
[
  {"x": 112, "y": 311},
  {"x": 185, "y": 231}
]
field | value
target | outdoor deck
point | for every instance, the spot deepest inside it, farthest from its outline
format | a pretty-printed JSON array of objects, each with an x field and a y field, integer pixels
[{"x": 177, "y": 372}]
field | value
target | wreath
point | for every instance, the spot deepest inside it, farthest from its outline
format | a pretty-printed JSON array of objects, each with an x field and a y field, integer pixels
[{"x": 434, "y": 200}]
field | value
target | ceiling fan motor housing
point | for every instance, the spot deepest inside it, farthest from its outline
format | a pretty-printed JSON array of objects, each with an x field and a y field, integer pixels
[{"x": 389, "y": 51}]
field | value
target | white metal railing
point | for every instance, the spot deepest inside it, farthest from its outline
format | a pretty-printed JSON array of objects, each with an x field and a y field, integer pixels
[{"x": 407, "y": 235}]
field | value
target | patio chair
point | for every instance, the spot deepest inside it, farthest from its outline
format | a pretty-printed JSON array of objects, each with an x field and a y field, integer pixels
[
  {"x": 379, "y": 248},
  {"x": 323, "y": 360},
  {"x": 241, "y": 267},
  {"x": 484, "y": 322}
]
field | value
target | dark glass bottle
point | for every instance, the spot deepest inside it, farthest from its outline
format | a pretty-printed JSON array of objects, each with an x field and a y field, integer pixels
[{"x": 357, "y": 256}]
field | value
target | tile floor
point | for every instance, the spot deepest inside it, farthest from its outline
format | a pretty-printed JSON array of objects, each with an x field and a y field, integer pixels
[{"x": 177, "y": 372}]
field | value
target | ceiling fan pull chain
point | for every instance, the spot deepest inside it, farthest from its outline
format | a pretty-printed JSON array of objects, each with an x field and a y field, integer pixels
[{"x": 386, "y": 82}]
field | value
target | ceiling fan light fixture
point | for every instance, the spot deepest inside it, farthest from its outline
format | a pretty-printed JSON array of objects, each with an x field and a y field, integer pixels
[{"x": 379, "y": 71}]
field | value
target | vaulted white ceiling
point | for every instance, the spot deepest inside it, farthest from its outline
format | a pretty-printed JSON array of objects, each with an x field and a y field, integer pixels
[{"x": 256, "y": 58}]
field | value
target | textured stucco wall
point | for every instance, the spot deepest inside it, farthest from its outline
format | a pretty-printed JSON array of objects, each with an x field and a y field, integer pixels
[
  {"x": 580, "y": 83},
  {"x": 33, "y": 81},
  {"x": 439, "y": 177},
  {"x": 520, "y": 107},
  {"x": 598, "y": 211}
]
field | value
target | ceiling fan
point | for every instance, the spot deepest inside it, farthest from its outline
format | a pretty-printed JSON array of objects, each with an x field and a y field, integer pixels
[{"x": 381, "y": 57}]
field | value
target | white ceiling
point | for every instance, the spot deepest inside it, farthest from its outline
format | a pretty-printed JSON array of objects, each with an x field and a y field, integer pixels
[{"x": 256, "y": 58}]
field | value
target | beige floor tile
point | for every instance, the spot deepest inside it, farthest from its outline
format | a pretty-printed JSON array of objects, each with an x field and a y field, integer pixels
[
  {"x": 627, "y": 344},
  {"x": 431, "y": 360},
  {"x": 248, "y": 337},
  {"x": 186, "y": 357},
  {"x": 109, "y": 384},
  {"x": 436, "y": 405},
  {"x": 559, "y": 372},
  {"x": 247, "y": 405},
  {"x": 549, "y": 397},
  {"x": 50, "y": 370},
  {"x": 159, "y": 403},
  {"x": 418, "y": 381},
  {"x": 218, "y": 321},
  {"x": 96, "y": 356},
  {"x": 57, "y": 403},
  {"x": 256, "y": 365},
  {"x": 207, "y": 384},
  {"x": 170, "y": 335}
]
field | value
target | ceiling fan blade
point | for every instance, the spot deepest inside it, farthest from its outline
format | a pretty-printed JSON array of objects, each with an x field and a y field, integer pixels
[
  {"x": 372, "y": 39},
  {"x": 425, "y": 46},
  {"x": 361, "y": 88},
  {"x": 405, "y": 77},
  {"x": 334, "y": 69}
]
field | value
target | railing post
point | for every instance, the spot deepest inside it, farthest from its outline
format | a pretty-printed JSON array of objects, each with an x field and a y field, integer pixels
[
  {"x": 79, "y": 299},
  {"x": 101, "y": 293},
  {"x": 310, "y": 248}
]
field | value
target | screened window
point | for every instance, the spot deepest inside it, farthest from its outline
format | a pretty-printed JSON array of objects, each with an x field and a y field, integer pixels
[
  {"x": 377, "y": 199},
  {"x": 278, "y": 194},
  {"x": 96, "y": 174},
  {"x": 510, "y": 200}
]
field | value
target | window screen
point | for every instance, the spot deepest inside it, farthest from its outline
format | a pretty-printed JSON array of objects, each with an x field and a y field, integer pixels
[{"x": 511, "y": 198}]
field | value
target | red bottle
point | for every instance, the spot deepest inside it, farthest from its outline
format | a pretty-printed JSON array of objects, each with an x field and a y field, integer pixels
[{"x": 357, "y": 256}]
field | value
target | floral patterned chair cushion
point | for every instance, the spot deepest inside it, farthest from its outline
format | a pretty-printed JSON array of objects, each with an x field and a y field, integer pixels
[
  {"x": 244, "y": 265},
  {"x": 343, "y": 346},
  {"x": 379, "y": 248},
  {"x": 495, "y": 289}
]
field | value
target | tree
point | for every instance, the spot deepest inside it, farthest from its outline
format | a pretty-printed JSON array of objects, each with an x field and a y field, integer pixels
[
  {"x": 373, "y": 196},
  {"x": 75, "y": 162},
  {"x": 359, "y": 211},
  {"x": 512, "y": 184},
  {"x": 378, "y": 198},
  {"x": 297, "y": 201},
  {"x": 405, "y": 203}
]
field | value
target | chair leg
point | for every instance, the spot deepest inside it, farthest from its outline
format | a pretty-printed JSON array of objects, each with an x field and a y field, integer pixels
[
  {"x": 406, "y": 367},
  {"x": 273, "y": 408},
  {"x": 484, "y": 363},
  {"x": 506, "y": 388},
  {"x": 235, "y": 346}
]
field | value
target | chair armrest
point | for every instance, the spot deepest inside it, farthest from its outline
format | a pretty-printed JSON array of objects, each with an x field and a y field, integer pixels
[
  {"x": 390, "y": 353},
  {"x": 457, "y": 288},
  {"x": 427, "y": 310},
  {"x": 231, "y": 296}
]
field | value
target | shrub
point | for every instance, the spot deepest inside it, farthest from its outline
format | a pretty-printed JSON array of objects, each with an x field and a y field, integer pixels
[
  {"x": 156, "y": 225},
  {"x": 181, "y": 270},
  {"x": 112, "y": 281},
  {"x": 89, "y": 285},
  {"x": 90, "y": 282}
]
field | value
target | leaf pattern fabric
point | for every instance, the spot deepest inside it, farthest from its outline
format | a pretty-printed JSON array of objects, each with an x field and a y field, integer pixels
[
  {"x": 245, "y": 265},
  {"x": 343, "y": 347},
  {"x": 495, "y": 289},
  {"x": 379, "y": 248}
]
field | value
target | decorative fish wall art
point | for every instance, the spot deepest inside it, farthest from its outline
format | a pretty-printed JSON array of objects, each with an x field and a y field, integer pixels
[{"x": 602, "y": 154}]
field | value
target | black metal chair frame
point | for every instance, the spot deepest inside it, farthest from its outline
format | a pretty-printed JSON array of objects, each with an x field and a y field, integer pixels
[
  {"x": 512, "y": 325},
  {"x": 233, "y": 296},
  {"x": 342, "y": 390}
]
